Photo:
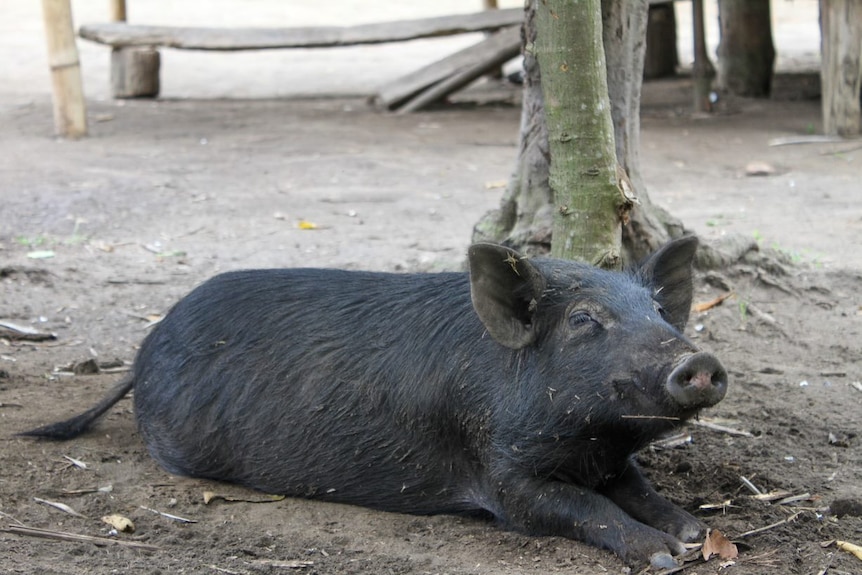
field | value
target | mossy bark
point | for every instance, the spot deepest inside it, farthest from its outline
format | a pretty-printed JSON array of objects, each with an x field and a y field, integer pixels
[
  {"x": 583, "y": 168},
  {"x": 525, "y": 217}
]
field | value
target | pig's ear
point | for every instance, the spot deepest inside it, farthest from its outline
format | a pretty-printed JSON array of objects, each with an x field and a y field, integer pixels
[
  {"x": 668, "y": 272},
  {"x": 505, "y": 288}
]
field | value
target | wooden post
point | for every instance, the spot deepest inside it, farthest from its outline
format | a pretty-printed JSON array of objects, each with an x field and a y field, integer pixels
[
  {"x": 70, "y": 113},
  {"x": 497, "y": 73},
  {"x": 661, "y": 58},
  {"x": 118, "y": 10},
  {"x": 134, "y": 71},
  {"x": 704, "y": 71},
  {"x": 746, "y": 55},
  {"x": 841, "y": 69}
]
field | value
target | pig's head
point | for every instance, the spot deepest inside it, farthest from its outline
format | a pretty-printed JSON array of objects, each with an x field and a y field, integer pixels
[{"x": 606, "y": 348}]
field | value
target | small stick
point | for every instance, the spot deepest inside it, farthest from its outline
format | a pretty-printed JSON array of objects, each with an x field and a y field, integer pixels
[
  {"x": 12, "y": 518},
  {"x": 721, "y": 428},
  {"x": 63, "y": 536},
  {"x": 751, "y": 487},
  {"x": 772, "y": 495},
  {"x": 169, "y": 516},
  {"x": 76, "y": 462},
  {"x": 794, "y": 499},
  {"x": 814, "y": 139},
  {"x": 60, "y": 506},
  {"x": 672, "y": 442},
  {"x": 223, "y": 570},
  {"x": 772, "y": 526}
]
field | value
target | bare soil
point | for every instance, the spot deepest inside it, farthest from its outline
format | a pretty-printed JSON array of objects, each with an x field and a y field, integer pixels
[{"x": 164, "y": 195}]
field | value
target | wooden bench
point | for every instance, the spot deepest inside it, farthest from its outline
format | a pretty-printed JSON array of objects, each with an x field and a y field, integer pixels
[{"x": 135, "y": 60}]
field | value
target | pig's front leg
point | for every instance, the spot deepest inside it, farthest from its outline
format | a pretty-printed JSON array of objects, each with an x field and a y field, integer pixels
[
  {"x": 632, "y": 493},
  {"x": 544, "y": 507}
]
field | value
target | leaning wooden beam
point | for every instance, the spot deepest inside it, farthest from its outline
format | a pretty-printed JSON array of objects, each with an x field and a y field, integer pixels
[
  {"x": 841, "y": 71},
  {"x": 70, "y": 113},
  {"x": 397, "y": 92},
  {"x": 495, "y": 51},
  {"x": 121, "y": 34}
]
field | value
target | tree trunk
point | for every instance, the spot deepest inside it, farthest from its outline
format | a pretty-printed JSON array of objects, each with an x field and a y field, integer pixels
[
  {"x": 661, "y": 57},
  {"x": 745, "y": 53},
  {"x": 841, "y": 72},
  {"x": 583, "y": 169},
  {"x": 525, "y": 218}
]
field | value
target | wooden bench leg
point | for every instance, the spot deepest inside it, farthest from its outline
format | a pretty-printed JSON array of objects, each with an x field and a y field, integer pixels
[{"x": 135, "y": 72}]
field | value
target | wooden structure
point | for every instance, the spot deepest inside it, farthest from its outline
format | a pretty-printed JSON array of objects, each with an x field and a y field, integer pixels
[
  {"x": 135, "y": 58},
  {"x": 841, "y": 68},
  {"x": 70, "y": 113},
  {"x": 135, "y": 74}
]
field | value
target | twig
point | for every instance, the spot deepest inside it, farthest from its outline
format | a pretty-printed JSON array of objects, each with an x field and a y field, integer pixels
[
  {"x": 721, "y": 428},
  {"x": 772, "y": 526},
  {"x": 12, "y": 518},
  {"x": 671, "y": 442},
  {"x": 137, "y": 282},
  {"x": 60, "y": 506},
  {"x": 76, "y": 462},
  {"x": 794, "y": 499},
  {"x": 168, "y": 515},
  {"x": 772, "y": 495},
  {"x": 223, "y": 570},
  {"x": 63, "y": 536},
  {"x": 751, "y": 487},
  {"x": 792, "y": 140}
]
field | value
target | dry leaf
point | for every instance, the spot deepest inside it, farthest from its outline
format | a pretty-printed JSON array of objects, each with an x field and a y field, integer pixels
[
  {"x": 717, "y": 544},
  {"x": 120, "y": 523},
  {"x": 850, "y": 548},
  {"x": 305, "y": 225},
  {"x": 712, "y": 303}
]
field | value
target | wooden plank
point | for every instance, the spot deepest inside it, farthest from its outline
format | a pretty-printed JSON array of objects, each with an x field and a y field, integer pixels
[
  {"x": 119, "y": 34},
  {"x": 493, "y": 52},
  {"x": 397, "y": 92}
]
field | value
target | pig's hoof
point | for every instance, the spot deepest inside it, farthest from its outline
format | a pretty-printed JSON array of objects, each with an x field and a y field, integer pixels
[
  {"x": 689, "y": 531},
  {"x": 662, "y": 560}
]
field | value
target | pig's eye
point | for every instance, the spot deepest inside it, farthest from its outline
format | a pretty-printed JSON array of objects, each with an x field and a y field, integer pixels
[
  {"x": 661, "y": 311},
  {"x": 577, "y": 318}
]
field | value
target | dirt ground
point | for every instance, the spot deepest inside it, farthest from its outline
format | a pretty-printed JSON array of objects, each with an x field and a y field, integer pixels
[{"x": 98, "y": 237}]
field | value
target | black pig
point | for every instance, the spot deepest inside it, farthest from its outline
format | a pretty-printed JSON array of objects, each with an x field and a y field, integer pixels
[{"x": 520, "y": 390}]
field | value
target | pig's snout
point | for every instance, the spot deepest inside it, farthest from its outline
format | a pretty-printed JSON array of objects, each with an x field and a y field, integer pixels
[{"x": 699, "y": 381}]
